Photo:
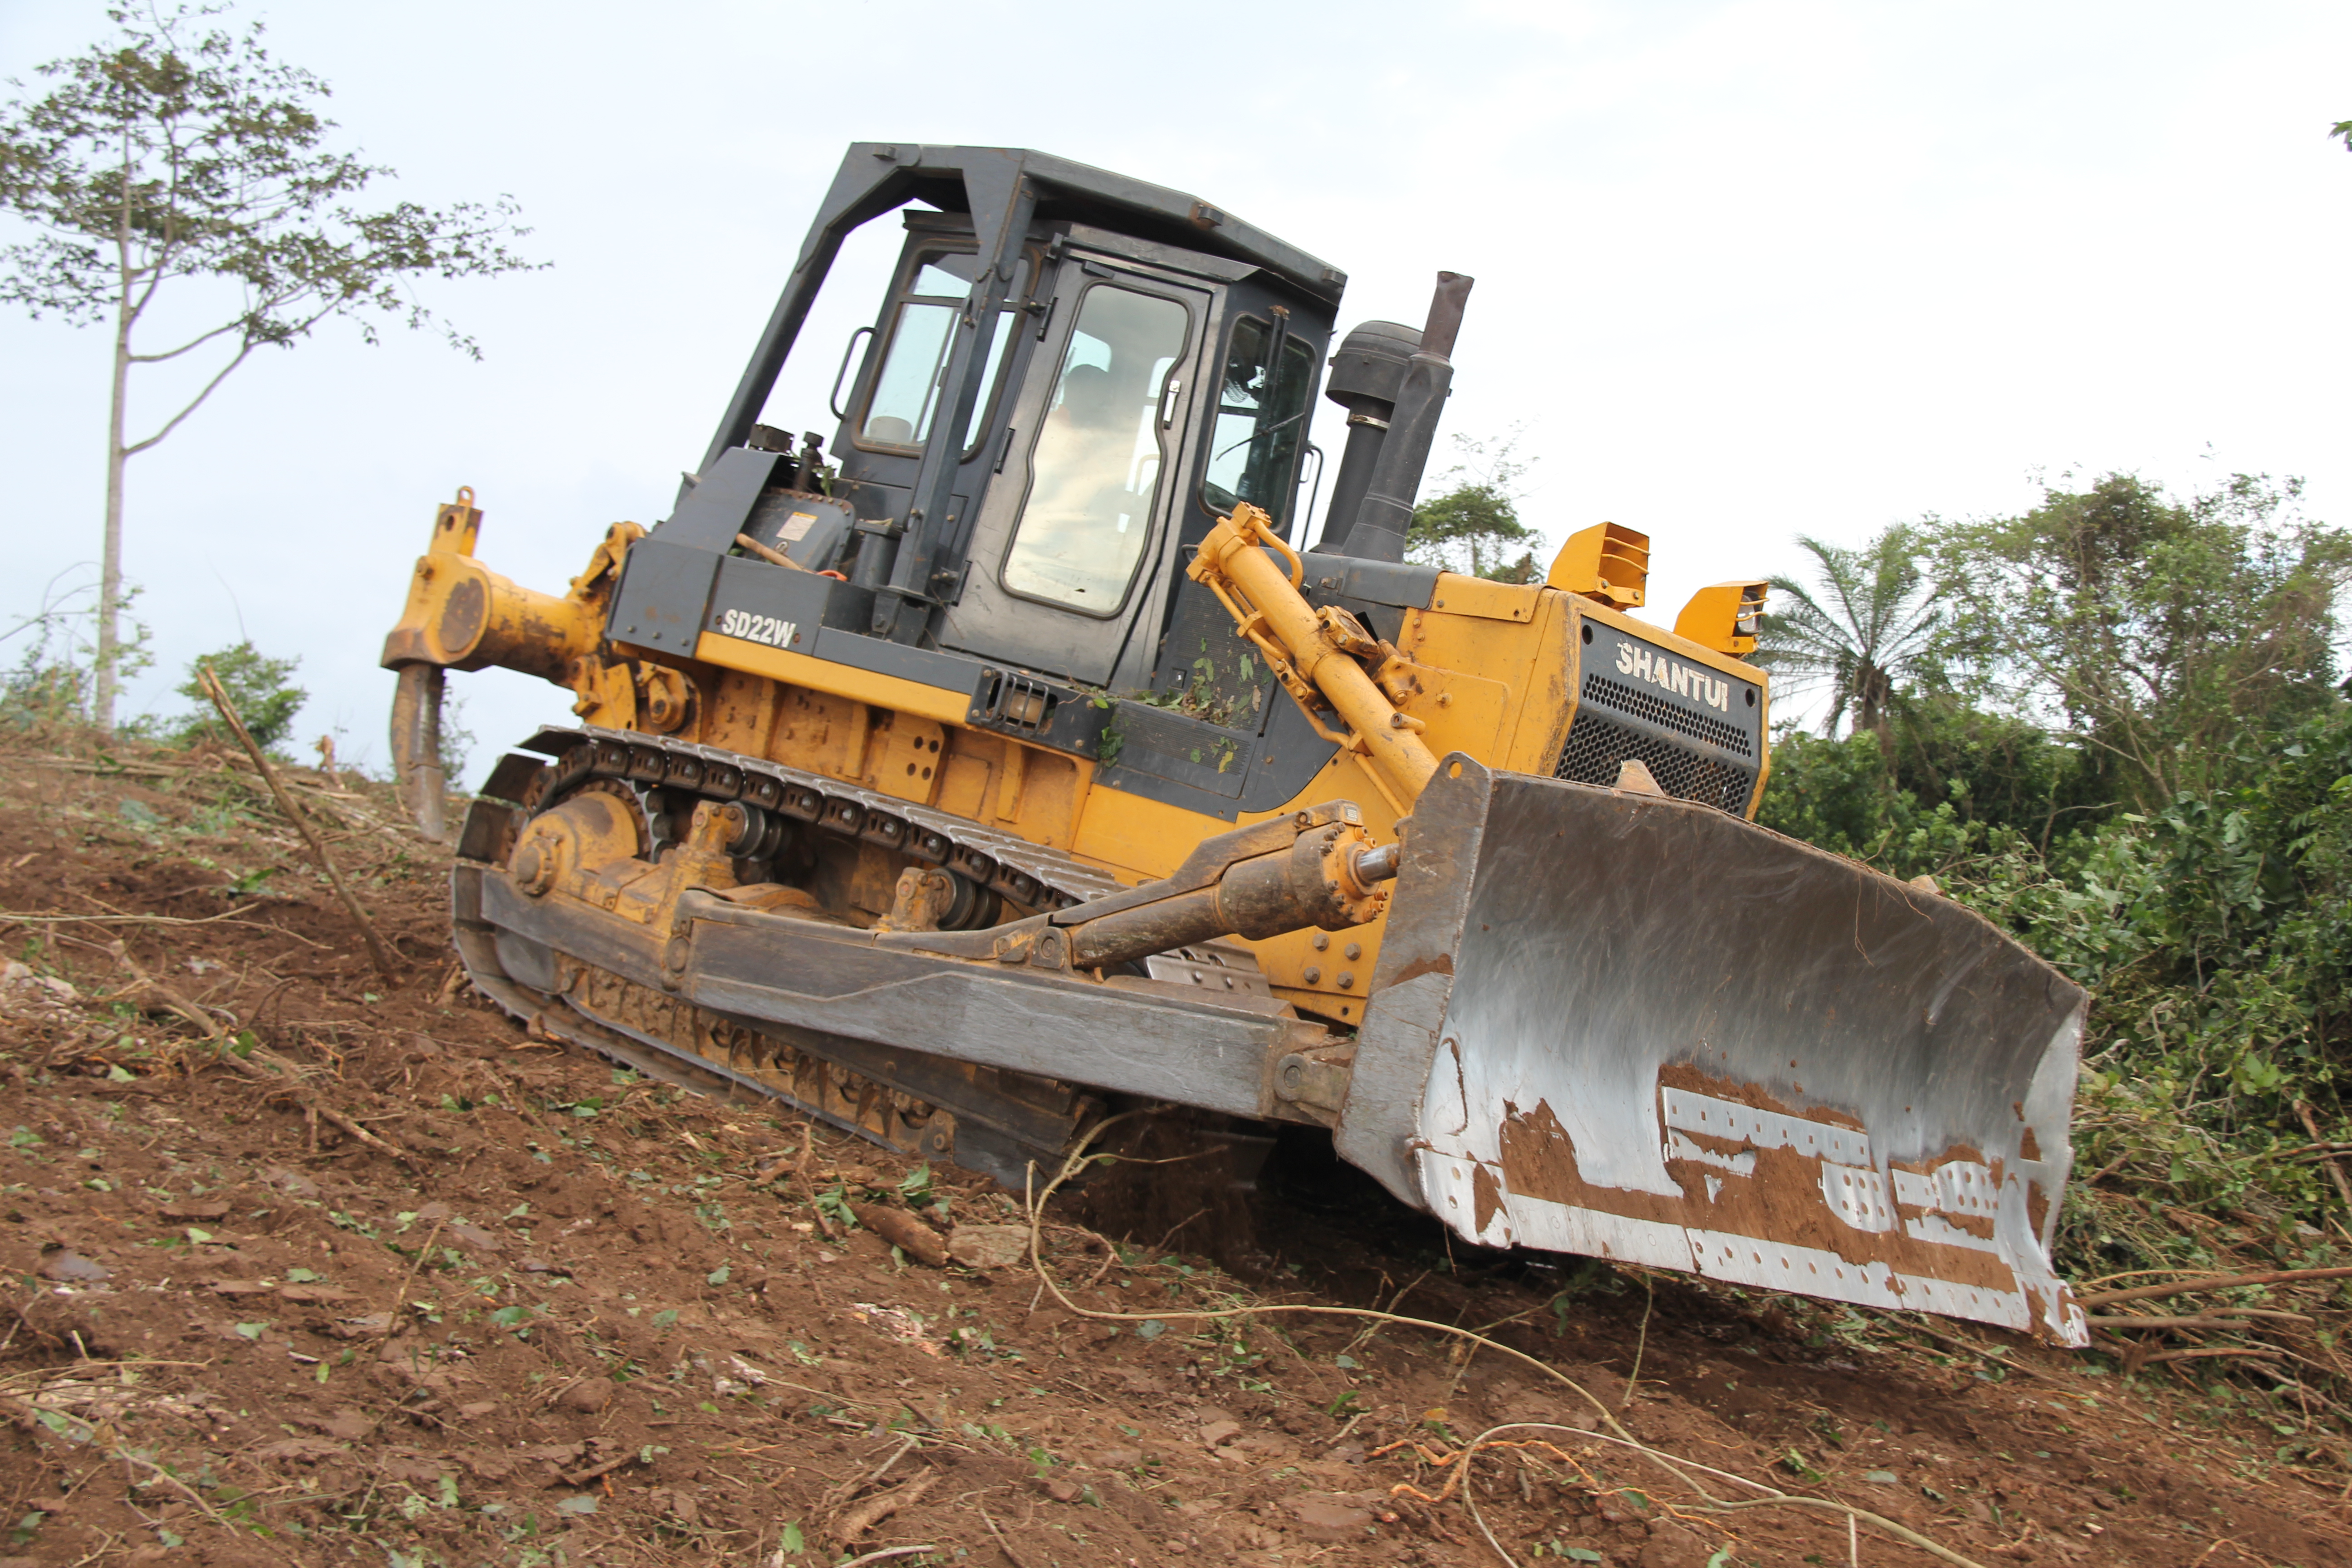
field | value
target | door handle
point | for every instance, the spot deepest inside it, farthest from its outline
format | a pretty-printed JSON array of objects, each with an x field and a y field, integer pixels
[
  {"x": 1168, "y": 400},
  {"x": 834, "y": 402}
]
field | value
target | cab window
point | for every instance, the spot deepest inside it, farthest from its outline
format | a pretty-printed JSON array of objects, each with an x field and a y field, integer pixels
[
  {"x": 1095, "y": 469},
  {"x": 1261, "y": 421},
  {"x": 922, "y": 334}
]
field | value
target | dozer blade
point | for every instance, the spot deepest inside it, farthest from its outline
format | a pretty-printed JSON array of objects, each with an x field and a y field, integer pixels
[{"x": 1639, "y": 1028}]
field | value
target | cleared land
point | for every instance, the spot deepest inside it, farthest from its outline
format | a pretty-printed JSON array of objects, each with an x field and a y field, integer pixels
[{"x": 305, "y": 1267}]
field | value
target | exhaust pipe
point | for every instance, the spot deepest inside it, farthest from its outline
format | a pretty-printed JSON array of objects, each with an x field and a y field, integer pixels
[{"x": 1394, "y": 459}]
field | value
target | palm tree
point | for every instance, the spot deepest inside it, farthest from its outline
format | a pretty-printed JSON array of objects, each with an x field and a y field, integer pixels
[{"x": 1862, "y": 629}]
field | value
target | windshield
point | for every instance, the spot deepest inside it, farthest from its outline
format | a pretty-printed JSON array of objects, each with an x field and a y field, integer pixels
[{"x": 1259, "y": 428}]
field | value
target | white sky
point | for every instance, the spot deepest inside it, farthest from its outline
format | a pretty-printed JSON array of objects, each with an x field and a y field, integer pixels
[{"x": 1744, "y": 270}]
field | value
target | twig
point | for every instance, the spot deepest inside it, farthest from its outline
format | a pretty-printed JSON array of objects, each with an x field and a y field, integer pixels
[
  {"x": 1969, "y": 1347},
  {"x": 377, "y": 951},
  {"x": 1773, "y": 1497},
  {"x": 1634, "y": 1378},
  {"x": 290, "y": 1079},
  {"x": 2125, "y": 1323},
  {"x": 1180, "y": 1225},
  {"x": 887, "y": 1554},
  {"x": 173, "y": 999},
  {"x": 1002, "y": 1544},
  {"x": 12, "y": 917},
  {"x": 2224, "y": 1282},
  {"x": 2245, "y": 1352},
  {"x": 852, "y": 1489},
  {"x": 192, "y": 1495}
]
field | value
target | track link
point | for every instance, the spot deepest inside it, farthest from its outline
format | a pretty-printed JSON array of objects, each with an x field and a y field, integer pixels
[{"x": 990, "y": 1120}]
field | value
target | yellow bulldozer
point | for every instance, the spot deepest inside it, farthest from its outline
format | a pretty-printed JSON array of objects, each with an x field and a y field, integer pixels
[{"x": 1012, "y": 762}]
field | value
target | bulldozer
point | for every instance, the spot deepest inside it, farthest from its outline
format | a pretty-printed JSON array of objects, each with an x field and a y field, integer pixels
[{"x": 1003, "y": 759}]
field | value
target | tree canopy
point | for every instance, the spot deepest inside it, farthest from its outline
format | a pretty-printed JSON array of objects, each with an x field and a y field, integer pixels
[
  {"x": 1474, "y": 526},
  {"x": 2150, "y": 630}
]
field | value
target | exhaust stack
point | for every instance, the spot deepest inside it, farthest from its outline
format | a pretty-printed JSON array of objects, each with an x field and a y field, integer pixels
[{"x": 1389, "y": 437}]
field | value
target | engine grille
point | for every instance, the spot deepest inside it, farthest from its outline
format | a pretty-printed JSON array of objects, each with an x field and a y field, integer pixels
[
  {"x": 1641, "y": 704},
  {"x": 1596, "y": 747}
]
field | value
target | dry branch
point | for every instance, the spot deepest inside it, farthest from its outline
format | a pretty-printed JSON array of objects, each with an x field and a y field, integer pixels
[
  {"x": 2209, "y": 1353},
  {"x": 2128, "y": 1324},
  {"x": 2220, "y": 1282},
  {"x": 881, "y": 1506},
  {"x": 377, "y": 951}
]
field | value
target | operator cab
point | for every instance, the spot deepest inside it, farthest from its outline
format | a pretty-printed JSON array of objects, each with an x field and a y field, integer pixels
[
  {"x": 1028, "y": 494},
  {"x": 1133, "y": 393}
]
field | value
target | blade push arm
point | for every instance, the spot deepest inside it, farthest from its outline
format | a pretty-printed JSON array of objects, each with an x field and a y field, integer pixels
[{"x": 1318, "y": 655}]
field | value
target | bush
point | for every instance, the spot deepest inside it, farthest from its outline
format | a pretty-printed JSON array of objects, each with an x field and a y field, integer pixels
[{"x": 260, "y": 686}]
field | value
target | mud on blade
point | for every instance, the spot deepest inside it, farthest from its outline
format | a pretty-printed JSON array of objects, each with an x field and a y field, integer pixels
[{"x": 1768, "y": 1064}]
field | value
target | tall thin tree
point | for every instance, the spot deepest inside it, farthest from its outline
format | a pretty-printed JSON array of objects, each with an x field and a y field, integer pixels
[{"x": 176, "y": 153}]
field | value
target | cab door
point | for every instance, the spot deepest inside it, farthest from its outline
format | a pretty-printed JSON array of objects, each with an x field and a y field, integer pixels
[{"x": 1073, "y": 522}]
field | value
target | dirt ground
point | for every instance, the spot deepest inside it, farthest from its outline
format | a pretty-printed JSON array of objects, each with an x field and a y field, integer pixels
[{"x": 308, "y": 1266}]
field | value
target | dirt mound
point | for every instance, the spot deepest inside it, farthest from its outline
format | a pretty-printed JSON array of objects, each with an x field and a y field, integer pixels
[{"x": 304, "y": 1267}]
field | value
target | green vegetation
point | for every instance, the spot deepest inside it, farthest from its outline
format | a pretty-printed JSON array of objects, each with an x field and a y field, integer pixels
[
  {"x": 1474, "y": 526},
  {"x": 2113, "y": 724},
  {"x": 261, "y": 687},
  {"x": 51, "y": 688}
]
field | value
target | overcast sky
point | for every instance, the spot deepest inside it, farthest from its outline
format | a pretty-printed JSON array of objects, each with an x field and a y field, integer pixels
[{"x": 1745, "y": 270}]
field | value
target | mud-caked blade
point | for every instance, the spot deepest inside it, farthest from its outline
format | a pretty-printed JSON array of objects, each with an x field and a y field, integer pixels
[{"x": 1639, "y": 1028}]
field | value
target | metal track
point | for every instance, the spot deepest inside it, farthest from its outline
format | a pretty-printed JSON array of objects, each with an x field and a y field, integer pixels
[
  {"x": 1027, "y": 873},
  {"x": 990, "y": 1120},
  {"x": 1032, "y": 875}
]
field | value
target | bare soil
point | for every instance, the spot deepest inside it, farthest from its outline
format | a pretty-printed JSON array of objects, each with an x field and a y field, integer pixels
[{"x": 548, "y": 1313}]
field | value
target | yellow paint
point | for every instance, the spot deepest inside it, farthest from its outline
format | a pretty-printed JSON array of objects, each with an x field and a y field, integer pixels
[
  {"x": 1010, "y": 781},
  {"x": 1458, "y": 596},
  {"x": 1546, "y": 690},
  {"x": 823, "y": 675},
  {"x": 906, "y": 757},
  {"x": 1311, "y": 651},
  {"x": 1713, "y": 617},
  {"x": 1133, "y": 838},
  {"x": 963, "y": 787},
  {"x": 1606, "y": 563}
]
